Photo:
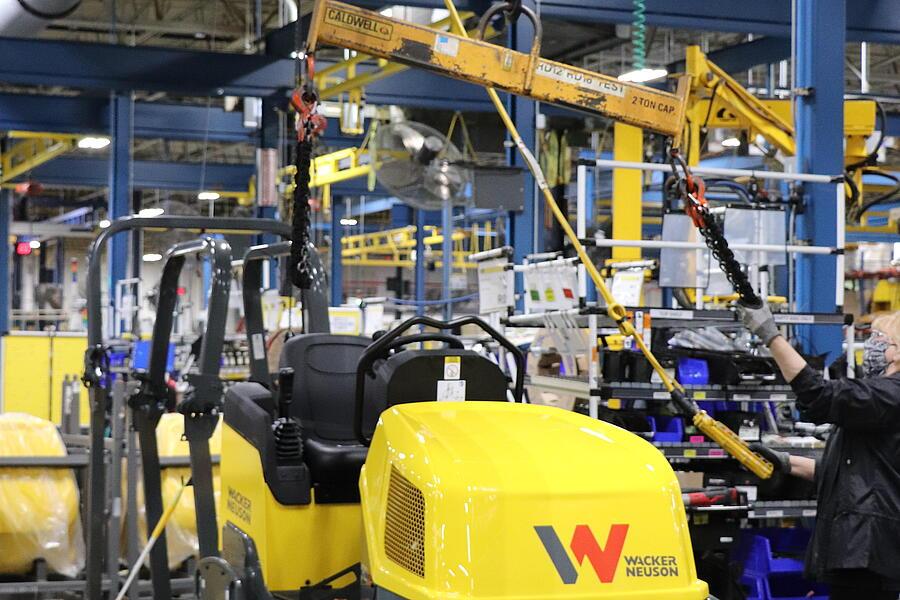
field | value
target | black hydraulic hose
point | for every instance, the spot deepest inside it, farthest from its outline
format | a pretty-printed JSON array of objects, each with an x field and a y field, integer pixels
[{"x": 883, "y": 197}]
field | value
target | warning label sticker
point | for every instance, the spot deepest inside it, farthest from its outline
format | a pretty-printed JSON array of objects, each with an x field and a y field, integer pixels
[
  {"x": 452, "y": 367},
  {"x": 451, "y": 391},
  {"x": 445, "y": 44},
  {"x": 580, "y": 79}
]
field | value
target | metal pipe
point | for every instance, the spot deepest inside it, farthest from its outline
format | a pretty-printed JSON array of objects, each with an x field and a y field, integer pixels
[
  {"x": 199, "y": 224},
  {"x": 253, "y": 263},
  {"x": 643, "y": 166},
  {"x": 658, "y": 244}
]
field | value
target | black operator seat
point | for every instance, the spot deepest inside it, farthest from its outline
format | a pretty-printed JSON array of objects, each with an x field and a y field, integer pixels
[{"x": 324, "y": 402}]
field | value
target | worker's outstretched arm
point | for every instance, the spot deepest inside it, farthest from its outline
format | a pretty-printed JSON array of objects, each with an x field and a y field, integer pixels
[
  {"x": 787, "y": 464},
  {"x": 789, "y": 360},
  {"x": 760, "y": 322},
  {"x": 803, "y": 467},
  {"x": 869, "y": 404}
]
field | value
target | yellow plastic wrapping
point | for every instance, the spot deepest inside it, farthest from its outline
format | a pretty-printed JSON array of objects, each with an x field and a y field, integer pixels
[
  {"x": 39, "y": 514},
  {"x": 181, "y": 531}
]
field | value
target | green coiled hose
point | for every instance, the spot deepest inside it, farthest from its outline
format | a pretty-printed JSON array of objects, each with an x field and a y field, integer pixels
[{"x": 639, "y": 34}]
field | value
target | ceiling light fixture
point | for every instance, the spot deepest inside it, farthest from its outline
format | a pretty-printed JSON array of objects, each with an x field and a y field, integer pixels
[
  {"x": 104, "y": 223},
  {"x": 731, "y": 142},
  {"x": 208, "y": 196},
  {"x": 148, "y": 213},
  {"x": 35, "y": 244},
  {"x": 152, "y": 257},
  {"x": 348, "y": 221},
  {"x": 93, "y": 143}
]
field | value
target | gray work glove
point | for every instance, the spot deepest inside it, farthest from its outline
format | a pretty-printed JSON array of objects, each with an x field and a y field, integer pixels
[
  {"x": 759, "y": 321},
  {"x": 781, "y": 460}
]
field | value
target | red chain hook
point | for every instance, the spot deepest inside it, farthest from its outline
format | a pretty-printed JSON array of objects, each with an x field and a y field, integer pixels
[
  {"x": 305, "y": 101},
  {"x": 693, "y": 191}
]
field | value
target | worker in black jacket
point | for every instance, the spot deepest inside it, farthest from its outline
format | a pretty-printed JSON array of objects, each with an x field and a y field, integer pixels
[{"x": 855, "y": 546}]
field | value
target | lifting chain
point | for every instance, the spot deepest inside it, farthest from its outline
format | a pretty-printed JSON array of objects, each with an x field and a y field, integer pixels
[
  {"x": 692, "y": 191},
  {"x": 309, "y": 126}
]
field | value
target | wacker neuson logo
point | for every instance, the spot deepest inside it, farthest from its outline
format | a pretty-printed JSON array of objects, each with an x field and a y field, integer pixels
[
  {"x": 605, "y": 559},
  {"x": 361, "y": 23}
]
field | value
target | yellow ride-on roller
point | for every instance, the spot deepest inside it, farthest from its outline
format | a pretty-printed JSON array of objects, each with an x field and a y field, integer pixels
[{"x": 416, "y": 478}]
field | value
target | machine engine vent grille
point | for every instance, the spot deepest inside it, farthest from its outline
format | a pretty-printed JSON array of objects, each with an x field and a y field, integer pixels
[{"x": 404, "y": 528}]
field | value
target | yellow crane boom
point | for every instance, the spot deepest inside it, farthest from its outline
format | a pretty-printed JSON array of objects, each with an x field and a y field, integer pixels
[{"x": 490, "y": 65}]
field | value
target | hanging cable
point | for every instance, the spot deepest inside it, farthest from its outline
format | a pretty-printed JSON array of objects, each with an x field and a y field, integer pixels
[
  {"x": 309, "y": 126},
  {"x": 692, "y": 191},
  {"x": 639, "y": 35}
]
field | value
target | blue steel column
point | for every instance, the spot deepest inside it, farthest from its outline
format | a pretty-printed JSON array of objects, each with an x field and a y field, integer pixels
[
  {"x": 420, "y": 261},
  {"x": 121, "y": 112},
  {"x": 5, "y": 206},
  {"x": 523, "y": 225},
  {"x": 447, "y": 257},
  {"x": 269, "y": 134},
  {"x": 820, "y": 34},
  {"x": 337, "y": 267}
]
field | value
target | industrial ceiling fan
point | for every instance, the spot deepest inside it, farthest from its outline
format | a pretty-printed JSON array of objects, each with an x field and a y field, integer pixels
[{"x": 420, "y": 166}]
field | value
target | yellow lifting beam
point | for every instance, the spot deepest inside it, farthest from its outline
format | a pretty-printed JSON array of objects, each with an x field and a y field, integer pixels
[
  {"x": 34, "y": 149},
  {"x": 331, "y": 85},
  {"x": 394, "y": 247},
  {"x": 457, "y": 56}
]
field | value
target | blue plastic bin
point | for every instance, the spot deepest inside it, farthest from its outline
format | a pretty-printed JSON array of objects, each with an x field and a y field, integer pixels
[{"x": 666, "y": 429}]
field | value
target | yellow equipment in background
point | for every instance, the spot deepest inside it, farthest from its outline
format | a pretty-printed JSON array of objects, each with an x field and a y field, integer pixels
[
  {"x": 39, "y": 516},
  {"x": 181, "y": 530}
]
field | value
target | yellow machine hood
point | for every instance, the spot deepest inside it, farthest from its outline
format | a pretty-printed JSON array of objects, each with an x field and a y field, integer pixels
[{"x": 500, "y": 500}]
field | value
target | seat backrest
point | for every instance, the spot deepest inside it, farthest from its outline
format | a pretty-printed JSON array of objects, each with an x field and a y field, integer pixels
[{"x": 324, "y": 382}]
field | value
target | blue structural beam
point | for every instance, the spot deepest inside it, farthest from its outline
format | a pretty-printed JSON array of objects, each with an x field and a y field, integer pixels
[
  {"x": 337, "y": 265},
  {"x": 115, "y": 67},
  {"x": 6, "y": 198},
  {"x": 819, "y": 118},
  {"x": 120, "y": 117},
  {"x": 870, "y": 20},
  {"x": 740, "y": 57},
  {"x": 421, "y": 275},
  {"x": 92, "y": 172},
  {"x": 88, "y": 114},
  {"x": 525, "y": 227},
  {"x": 421, "y": 89}
]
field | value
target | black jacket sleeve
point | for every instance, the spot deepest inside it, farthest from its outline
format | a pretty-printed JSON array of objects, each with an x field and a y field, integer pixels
[{"x": 870, "y": 404}]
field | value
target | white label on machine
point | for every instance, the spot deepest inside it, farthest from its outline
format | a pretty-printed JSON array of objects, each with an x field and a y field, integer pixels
[
  {"x": 453, "y": 390},
  {"x": 579, "y": 79},
  {"x": 452, "y": 367},
  {"x": 794, "y": 318},
  {"x": 495, "y": 286},
  {"x": 259, "y": 346},
  {"x": 627, "y": 286},
  {"x": 664, "y": 313},
  {"x": 445, "y": 44}
]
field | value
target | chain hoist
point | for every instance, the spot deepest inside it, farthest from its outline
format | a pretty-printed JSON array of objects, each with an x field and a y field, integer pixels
[
  {"x": 310, "y": 125},
  {"x": 692, "y": 191}
]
